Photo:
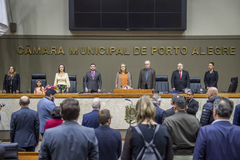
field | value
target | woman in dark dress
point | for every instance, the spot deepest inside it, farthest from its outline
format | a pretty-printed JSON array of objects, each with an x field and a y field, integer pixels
[
  {"x": 11, "y": 82},
  {"x": 211, "y": 77},
  {"x": 134, "y": 142}
]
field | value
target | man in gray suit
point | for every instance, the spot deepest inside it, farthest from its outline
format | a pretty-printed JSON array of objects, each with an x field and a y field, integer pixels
[
  {"x": 147, "y": 78},
  {"x": 93, "y": 80},
  {"x": 70, "y": 140}
]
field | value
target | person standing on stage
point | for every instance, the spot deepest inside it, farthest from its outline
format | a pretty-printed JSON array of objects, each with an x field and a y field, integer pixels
[
  {"x": 93, "y": 80},
  {"x": 180, "y": 79},
  {"x": 147, "y": 79},
  {"x": 123, "y": 78},
  {"x": 62, "y": 80},
  {"x": 211, "y": 76},
  {"x": 11, "y": 82}
]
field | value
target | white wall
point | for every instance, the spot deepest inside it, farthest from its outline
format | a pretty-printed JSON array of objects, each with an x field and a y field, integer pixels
[{"x": 204, "y": 17}]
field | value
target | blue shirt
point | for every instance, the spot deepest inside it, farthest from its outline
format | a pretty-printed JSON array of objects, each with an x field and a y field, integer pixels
[
  {"x": 146, "y": 71},
  {"x": 44, "y": 109},
  {"x": 236, "y": 118}
]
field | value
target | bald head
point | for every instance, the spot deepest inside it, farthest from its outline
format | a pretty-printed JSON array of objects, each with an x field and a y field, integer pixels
[
  {"x": 96, "y": 103},
  {"x": 147, "y": 64},
  {"x": 24, "y": 101},
  {"x": 212, "y": 92}
]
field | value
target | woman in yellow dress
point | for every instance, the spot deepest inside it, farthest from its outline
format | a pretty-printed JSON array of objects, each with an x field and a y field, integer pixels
[
  {"x": 62, "y": 80},
  {"x": 123, "y": 78}
]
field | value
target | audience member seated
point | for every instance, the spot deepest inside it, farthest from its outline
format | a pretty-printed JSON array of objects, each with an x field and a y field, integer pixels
[
  {"x": 192, "y": 104},
  {"x": 134, "y": 142},
  {"x": 11, "y": 82},
  {"x": 207, "y": 114},
  {"x": 91, "y": 119},
  {"x": 183, "y": 128},
  {"x": 221, "y": 139},
  {"x": 156, "y": 100},
  {"x": 69, "y": 141},
  {"x": 236, "y": 118},
  {"x": 56, "y": 119},
  {"x": 24, "y": 126},
  {"x": 109, "y": 140}
]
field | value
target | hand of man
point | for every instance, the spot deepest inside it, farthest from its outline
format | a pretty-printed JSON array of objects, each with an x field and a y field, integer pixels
[
  {"x": 4, "y": 91},
  {"x": 99, "y": 90},
  {"x": 86, "y": 90},
  {"x": 173, "y": 89},
  {"x": 17, "y": 91}
]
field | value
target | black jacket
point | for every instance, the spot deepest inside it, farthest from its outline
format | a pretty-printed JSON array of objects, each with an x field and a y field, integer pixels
[
  {"x": 192, "y": 107},
  {"x": 207, "y": 112},
  {"x": 211, "y": 79},
  {"x": 15, "y": 83}
]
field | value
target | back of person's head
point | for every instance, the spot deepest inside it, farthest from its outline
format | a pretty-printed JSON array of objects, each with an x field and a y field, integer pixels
[
  {"x": 145, "y": 110},
  {"x": 104, "y": 116},
  {"x": 213, "y": 91},
  {"x": 156, "y": 98},
  {"x": 174, "y": 98},
  {"x": 24, "y": 101},
  {"x": 70, "y": 109},
  {"x": 180, "y": 103},
  {"x": 50, "y": 91},
  {"x": 96, "y": 103},
  {"x": 223, "y": 107},
  {"x": 56, "y": 113}
]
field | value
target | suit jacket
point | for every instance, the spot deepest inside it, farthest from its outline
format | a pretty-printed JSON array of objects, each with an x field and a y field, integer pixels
[
  {"x": 168, "y": 113},
  {"x": 91, "y": 119},
  {"x": 15, "y": 83},
  {"x": 236, "y": 118},
  {"x": 109, "y": 143},
  {"x": 151, "y": 80},
  {"x": 93, "y": 83},
  {"x": 211, "y": 79},
  {"x": 159, "y": 114},
  {"x": 69, "y": 141},
  {"x": 193, "y": 106},
  {"x": 218, "y": 141},
  {"x": 24, "y": 127},
  {"x": 180, "y": 83},
  {"x": 118, "y": 80},
  {"x": 184, "y": 129}
]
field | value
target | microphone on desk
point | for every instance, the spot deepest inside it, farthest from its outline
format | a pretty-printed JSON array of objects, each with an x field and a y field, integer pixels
[{"x": 126, "y": 99}]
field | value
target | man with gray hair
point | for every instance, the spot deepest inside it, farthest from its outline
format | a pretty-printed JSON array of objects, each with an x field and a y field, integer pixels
[
  {"x": 220, "y": 140},
  {"x": 147, "y": 79},
  {"x": 91, "y": 119},
  {"x": 156, "y": 100}
]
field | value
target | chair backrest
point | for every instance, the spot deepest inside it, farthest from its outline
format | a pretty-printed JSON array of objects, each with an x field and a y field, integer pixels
[
  {"x": 162, "y": 84},
  {"x": 195, "y": 84},
  {"x": 38, "y": 76},
  {"x": 11, "y": 151},
  {"x": 73, "y": 83},
  {"x": 234, "y": 84}
]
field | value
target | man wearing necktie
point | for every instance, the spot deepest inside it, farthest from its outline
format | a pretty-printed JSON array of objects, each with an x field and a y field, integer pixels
[
  {"x": 93, "y": 80},
  {"x": 180, "y": 79}
]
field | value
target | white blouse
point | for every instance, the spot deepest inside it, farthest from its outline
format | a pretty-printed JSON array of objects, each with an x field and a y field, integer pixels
[{"x": 62, "y": 80}]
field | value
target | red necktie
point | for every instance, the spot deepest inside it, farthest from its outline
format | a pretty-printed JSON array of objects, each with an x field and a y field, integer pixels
[{"x": 180, "y": 74}]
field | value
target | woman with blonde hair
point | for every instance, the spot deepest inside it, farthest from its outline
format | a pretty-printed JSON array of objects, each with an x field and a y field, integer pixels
[
  {"x": 123, "y": 78},
  {"x": 11, "y": 82},
  {"x": 134, "y": 142}
]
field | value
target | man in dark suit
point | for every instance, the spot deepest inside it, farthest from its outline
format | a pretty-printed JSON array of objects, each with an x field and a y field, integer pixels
[
  {"x": 24, "y": 127},
  {"x": 192, "y": 104},
  {"x": 70, "y": 140},
  {"x": 109, "y": 140},
  {"x": 220, "y": 140},
  {"x": 91, "y": 119},
  {"x": 156, "y": 100},
  {"x": 93, "y": 80},
  {"x": 180, "y": 79},
  {"x": 147, "y": 79}
]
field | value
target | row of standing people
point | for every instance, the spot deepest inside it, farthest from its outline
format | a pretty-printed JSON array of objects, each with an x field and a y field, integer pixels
[
  {"x": 179, "y": 135},
  {"x": 93, "y": 81}
]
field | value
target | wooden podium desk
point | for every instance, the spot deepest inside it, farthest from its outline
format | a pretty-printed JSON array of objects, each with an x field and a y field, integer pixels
[{"x": 115, "y": 102}]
